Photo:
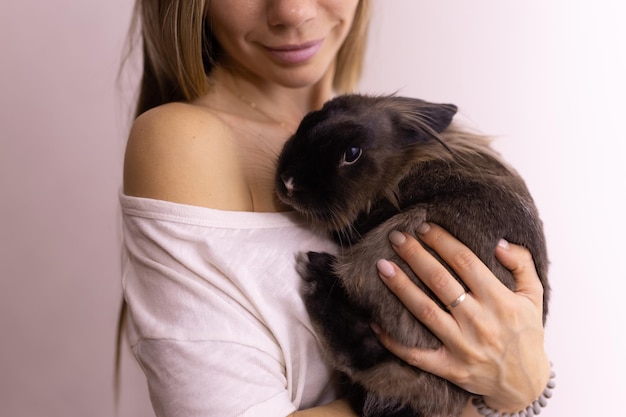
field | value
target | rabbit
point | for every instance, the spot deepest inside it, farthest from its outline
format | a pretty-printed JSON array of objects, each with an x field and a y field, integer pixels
[{"x": 363, "y": 166}]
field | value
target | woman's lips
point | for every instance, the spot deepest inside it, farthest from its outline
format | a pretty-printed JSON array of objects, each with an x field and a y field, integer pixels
[{"x": 295, "y": 54}]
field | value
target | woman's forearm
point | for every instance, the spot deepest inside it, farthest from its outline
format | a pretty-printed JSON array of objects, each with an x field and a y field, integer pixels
[{"x": 338, "y": 408}]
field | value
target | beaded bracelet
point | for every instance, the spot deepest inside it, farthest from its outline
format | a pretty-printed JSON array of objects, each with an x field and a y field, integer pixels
[{"x": 532, "y": 410}]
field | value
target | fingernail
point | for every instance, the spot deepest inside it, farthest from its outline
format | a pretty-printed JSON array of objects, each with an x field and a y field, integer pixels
[
  {"x": 385, "y": 268},
  {"x": 397, "y": 238},
  {"x": 375, "y": 328},
  {"x": 503, "y": 244},
  {"x": 423, "y": 228}
]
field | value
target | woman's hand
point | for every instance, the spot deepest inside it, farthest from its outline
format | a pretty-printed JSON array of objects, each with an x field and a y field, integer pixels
[{"x": 493, "y": 338}]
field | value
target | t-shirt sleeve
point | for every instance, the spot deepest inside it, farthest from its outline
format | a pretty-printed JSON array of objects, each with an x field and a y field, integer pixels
[
  {"x": 202, "y": 378},
  {"x": 215, "y": 316}
]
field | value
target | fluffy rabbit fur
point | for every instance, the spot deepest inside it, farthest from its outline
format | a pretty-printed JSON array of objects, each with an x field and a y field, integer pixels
[{"x": 363, "y": 166}]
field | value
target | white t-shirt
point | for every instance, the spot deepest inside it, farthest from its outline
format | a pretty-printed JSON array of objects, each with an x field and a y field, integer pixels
[{"x": 216, "y": 319}]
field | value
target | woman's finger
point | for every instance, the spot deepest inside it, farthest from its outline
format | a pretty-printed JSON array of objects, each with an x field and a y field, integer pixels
[
  {"x": 519, "y": 261},
  {"x": 481, "y": 282},
  {"x": 430, "y": 271},
  {"x": 435, "y": 361},
  {"x": 418, "y": 302}
]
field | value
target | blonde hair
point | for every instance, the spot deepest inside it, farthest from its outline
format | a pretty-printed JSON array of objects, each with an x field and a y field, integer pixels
[{"x": 179, "y": 50}]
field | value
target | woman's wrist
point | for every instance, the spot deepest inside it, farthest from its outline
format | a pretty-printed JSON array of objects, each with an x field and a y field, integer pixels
[{"x": 519, "y": 404}]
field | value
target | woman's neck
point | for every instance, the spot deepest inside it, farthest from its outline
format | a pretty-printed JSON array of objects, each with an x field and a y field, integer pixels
[{"x": 271, "y": 101}]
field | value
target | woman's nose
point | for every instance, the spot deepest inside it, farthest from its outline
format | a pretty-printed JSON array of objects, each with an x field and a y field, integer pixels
[{"x": 291, "y": 13}]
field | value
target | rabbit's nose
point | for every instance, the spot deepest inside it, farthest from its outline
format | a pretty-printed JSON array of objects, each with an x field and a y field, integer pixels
[{"x": 288, "y": 182}]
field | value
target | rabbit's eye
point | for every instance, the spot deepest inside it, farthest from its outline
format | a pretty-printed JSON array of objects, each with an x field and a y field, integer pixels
[{"x": 351, "y": 156}]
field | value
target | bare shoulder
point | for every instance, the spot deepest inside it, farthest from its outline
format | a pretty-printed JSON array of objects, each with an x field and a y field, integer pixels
[{"x": 185, "y": 154}]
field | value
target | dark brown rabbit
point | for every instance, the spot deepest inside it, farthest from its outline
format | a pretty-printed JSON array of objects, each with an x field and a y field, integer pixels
[{"x": 363, "y": 166}]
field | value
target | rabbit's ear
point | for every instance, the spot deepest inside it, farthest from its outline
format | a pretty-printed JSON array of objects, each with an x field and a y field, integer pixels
[{"x": 421, "y": 116}]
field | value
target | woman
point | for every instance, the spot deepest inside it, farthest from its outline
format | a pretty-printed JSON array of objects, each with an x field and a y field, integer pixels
[{"x": 215, "y": 317}]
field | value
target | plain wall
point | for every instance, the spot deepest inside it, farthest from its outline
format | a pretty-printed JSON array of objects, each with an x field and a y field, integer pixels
[
  {"x": 63, "y": 124},
  {"x": 545, "y": 78}
]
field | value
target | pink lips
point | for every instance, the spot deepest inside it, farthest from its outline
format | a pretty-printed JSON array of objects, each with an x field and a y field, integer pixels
[{"x": 295, "y": 54}]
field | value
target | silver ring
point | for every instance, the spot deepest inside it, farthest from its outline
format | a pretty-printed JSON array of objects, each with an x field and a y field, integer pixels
[{"x": 458, "y": 301}]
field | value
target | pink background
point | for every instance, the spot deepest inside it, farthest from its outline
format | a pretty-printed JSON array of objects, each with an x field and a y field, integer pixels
[{"x": 547, "y": 78}]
